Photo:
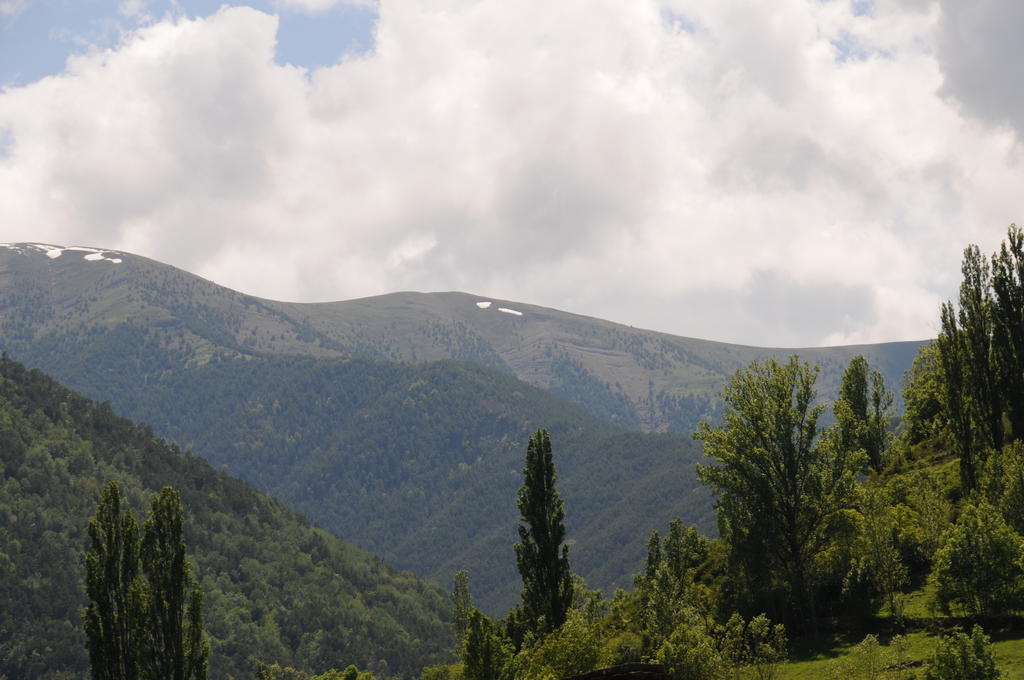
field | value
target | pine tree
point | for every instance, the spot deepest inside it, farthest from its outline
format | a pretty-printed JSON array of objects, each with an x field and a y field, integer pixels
[
  {"x": 542, "y": 559},
  {"x": 173, "y": 645},
  {"x": 112, "y": 568}
]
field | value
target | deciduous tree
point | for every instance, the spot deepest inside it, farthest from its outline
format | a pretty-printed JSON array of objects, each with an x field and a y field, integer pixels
[
  {"x": 486, "y": 653},
  {"x": 780, "y": 485},
  {"x": 978, "y": 568}
]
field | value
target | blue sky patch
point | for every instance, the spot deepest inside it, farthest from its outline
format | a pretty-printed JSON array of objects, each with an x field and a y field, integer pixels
[
  {"x": 677, "y": 22},
  {"x": 37, "y": 42}
]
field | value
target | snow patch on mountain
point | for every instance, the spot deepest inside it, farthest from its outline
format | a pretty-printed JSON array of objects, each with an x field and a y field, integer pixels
[
  {"x": 53, "y": 252},
  {"x": 509, "y": 311}
]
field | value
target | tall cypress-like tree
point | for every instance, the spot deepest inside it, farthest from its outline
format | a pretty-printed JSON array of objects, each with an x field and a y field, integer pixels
[
  {"x": 851, "y": 409},
  {"x": 976, "y": 326},
  {"x": 111, "y": 573},
  {"x": 462, "y": 608},
  {"x": 1008, "y": 325},
  {"x": 954, "y": 383},
  {"x": 863, "y": 411},
  {"x": 981, "y": 353},
  {"x": 542, "y": 559},
  {"x": 173, "y": 645}
]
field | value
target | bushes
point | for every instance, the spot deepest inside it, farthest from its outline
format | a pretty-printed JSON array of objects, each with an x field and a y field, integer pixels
[
  {"x": 963, "y": 657},
  {"x": 978, "y": 568}
]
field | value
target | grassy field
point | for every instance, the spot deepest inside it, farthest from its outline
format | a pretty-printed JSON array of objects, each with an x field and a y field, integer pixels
[{"x": 847, "y": 659}]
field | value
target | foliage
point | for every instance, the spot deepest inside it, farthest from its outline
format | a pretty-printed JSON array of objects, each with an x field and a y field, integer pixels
[
  {"x": 763, "y": 647},
  {"x": 398, "y": 459},
  {"x": 780, "y": 487},
  {"x": 869, "y": 660},
  {"x": 963, "y": 657},
  {"x": 170, "y": 637},
  {"x": 863, "y": 411},
  {"x": 462, "y": 608},
  {"x": 111, "y": 619},
  {"x": 487, "y": 653},
  {"x": 667, "y": 589},
  {"x": 1002, "y": 483},
  {"x": 541, "y": 555},
  {"x": 877, "y": 557},
  {"x": 924, "y": 415},
  {"x": 278, "y": 672},
  {"x": 443, "y": 672},
  {"x": 690, "y": 654},
  {"x": 978, "y": 569},
  {"x": 1008, "y": 325},
  {"x": 274, "y": 587},
  {"x": 981, "y": 352},
  {"x": 928, "y": 498},
  {"x": 575, "y": 648},
  {"x": 149, "y": 623}
]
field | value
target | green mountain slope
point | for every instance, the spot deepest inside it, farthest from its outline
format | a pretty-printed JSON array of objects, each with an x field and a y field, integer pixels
[
  {"x": 52, "y": 306},
  {"x": 275, "y": 588},
  {"x": 418, "y": 462}
]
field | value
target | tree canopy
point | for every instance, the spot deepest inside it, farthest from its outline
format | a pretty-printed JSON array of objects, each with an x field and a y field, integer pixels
[{"x": 781, "y": 486}]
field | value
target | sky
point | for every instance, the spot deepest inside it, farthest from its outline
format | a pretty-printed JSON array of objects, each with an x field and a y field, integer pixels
[{"x": 792, "y": 173}]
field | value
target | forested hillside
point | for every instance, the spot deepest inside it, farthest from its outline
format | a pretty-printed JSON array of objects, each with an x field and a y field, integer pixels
[
  {"x": 78, "y": 302},
  {"x": 392, "y": 456},
  {"x": 276, "y": 589},
  {"x": 416, "y": 462}
]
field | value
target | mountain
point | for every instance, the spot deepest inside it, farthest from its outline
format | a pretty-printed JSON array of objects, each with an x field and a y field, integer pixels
[
  {"x": 398, "y": 422},
  {"x": 420, "y": 463},
  {"x": 275, "y": 588},
  {"x": 637, "y": 378}
]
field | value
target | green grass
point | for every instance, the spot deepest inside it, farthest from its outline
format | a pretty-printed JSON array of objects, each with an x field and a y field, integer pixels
[{"x": 813, "y": 663}]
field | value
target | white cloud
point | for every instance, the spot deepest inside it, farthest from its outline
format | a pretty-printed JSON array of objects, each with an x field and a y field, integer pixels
[{"x": 788, "y": 175}]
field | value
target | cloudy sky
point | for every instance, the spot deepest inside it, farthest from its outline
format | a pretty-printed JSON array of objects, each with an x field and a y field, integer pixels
[{"x": 795, "y": 172}]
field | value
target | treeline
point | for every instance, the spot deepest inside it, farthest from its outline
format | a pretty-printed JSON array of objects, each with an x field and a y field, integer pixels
[{"x": 822, "y": 530}]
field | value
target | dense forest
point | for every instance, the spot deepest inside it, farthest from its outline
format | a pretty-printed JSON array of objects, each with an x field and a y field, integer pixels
[
  {"x": 276, "y": 589},
  {"x": 397, "y": 458}
]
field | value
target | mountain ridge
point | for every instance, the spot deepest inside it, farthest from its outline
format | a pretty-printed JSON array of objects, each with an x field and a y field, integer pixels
[
  {"x": 396, "y": 421},
  {"x": 642, "y": 379}
]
